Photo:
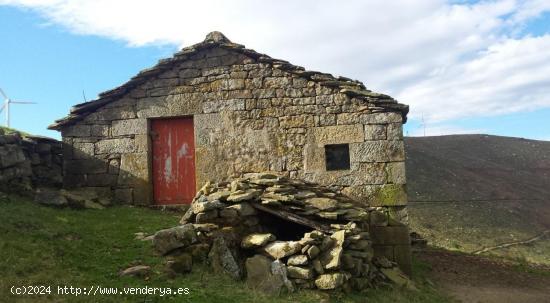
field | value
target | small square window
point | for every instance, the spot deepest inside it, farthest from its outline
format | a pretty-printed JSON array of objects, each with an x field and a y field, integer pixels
[{"x": 337, "y": 156}]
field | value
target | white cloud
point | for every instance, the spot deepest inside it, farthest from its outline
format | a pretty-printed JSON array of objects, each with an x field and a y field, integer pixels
[
  {"x": 510, "y": 76},
  {"x": 446, "y": 60}
]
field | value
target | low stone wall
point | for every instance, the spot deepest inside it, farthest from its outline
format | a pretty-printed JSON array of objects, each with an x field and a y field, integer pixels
[{"x": 29, "y": 162}]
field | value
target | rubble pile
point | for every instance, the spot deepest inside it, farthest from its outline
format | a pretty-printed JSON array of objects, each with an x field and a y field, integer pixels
[{"x": 279, "y": 233}]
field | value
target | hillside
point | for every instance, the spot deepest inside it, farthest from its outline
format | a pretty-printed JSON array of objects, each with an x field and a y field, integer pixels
[{"x": 469, "y": 192}]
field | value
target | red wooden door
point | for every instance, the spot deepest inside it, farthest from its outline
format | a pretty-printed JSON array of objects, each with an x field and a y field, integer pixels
[{"x": 173, "y": 160}]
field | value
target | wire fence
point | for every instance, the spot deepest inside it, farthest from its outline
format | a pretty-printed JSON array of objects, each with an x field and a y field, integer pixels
[{"x": 442, "y": 202}]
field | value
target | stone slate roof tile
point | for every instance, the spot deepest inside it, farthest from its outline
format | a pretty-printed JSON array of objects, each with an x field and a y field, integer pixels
[{"x": 347, "y": 86}]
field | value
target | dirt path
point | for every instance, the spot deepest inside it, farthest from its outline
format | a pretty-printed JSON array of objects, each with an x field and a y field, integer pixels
[{"x": 478, "y": 279}]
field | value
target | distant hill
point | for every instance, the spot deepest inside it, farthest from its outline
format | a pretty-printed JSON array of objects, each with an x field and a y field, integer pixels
[{"x": 468, "y": 192}]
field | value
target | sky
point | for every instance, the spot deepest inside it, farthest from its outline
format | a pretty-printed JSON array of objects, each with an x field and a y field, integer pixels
[{"x": 462, "y": 66}]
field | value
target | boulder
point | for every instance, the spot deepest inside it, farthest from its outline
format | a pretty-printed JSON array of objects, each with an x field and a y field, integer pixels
[
  {"x": 318, "y": 267},
  {"x": 330, "y": 281},
  {"x": 327, "y": 243},
  {"x": 322, "y": 203},
  {"x": 206, "y": 227},
  {"x": 257, "y": 240},
  {"x": 304, "y": 284},
  {"x": 206, "y": 216},
  {"x": 219, "y": 195},
  {"x": 136, "y": 271},
  {"x": 169, "y": 239},
  {"x": 84, "y": 198},
  {"x": 199, "y": 207},
  {"x": 260, "y": 277},
  {"x": 271, "y": 203},
  {"x": 397, "y": 277},
  {"x": 267, "y": 182},
  {"x": 300, "y": 272},
  {"x": 92, "y": 205},
  {"x": 229, "y": 213},
  {"x": 359, "y": 245},
  {"x": 244, "y": 209},
  {"x": 239, "y": 196},
  {"x": 51, "y": 197},
  {"x": 331, "y": 215},
  {"x": 140, "y": 235},
  {"x": 304, "y": 194},
  {"x": 181, "y": 264},
  {"x": 277, "y": 197},
  {"x": 331, "y": 257},
  {"x": 199, "y": 251},
  {"x": 280, "y": 249},
  {"x": 278, "y": 268},
  {"x": 297, "y": 260},
  {"x": 223, "y": 259},
  {"x": 313, "y": 252},
  {"x": 186, "y": 218},
  {"x": 279, "y": 189}
]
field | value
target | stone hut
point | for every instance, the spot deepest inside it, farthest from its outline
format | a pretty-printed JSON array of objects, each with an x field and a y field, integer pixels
[{"x": 217, "y": 110}]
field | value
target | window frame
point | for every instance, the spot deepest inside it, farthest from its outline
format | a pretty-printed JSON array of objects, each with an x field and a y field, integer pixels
[{"x": 341, "y": 164}]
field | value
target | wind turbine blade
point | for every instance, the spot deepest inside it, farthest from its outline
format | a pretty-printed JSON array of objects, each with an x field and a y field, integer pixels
[
  {"x": 23, "y": 102},
  {"x": 2, "y": 108},
  {"x": 3, "y": 94}
]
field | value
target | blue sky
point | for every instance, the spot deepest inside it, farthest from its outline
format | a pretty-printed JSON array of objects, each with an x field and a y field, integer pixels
[
  {"x": 466, "y": 67},
  {"x": 48, "y": 65}
]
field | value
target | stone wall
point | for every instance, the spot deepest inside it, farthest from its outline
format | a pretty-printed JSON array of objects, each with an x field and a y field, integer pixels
[
  {"x": 248, "y": 117},
  {"x": 28, "y": 162}
]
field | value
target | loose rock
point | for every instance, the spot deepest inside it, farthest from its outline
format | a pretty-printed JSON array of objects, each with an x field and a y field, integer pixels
[
  {"x": 300, "y": 272},
  {"x": 281, "y": 249},
  {"x": 329, "y": 281},
  {"x": 257, "y": 240},
  {"x": 181, "y": 264},
  {"x": 331, "y": 258},
  {"x": 297, "y": 260},
  {"x": 169, "y": 239},
  {"x": 223, "y": 259},
  {"x": 136, "y": 271},
  {"x": 260, "y": 277}
]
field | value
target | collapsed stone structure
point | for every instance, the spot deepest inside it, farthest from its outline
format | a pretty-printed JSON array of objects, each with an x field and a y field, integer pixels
[
  {"x": 27, "y": 162},
  {"x": 279, "y": 233}
]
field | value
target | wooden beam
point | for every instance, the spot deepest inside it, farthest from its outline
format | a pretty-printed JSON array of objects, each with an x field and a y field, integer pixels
[{"x": 283, "y": 214}]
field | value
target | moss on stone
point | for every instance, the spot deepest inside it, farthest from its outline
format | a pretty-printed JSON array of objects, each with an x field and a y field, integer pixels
[{"x": 391, "y": 195}]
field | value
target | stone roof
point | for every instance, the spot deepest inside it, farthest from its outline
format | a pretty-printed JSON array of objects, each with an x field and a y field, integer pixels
[{"x": 350, "y": 87}]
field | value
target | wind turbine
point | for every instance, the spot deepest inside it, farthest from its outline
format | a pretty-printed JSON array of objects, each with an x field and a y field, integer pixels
[{"x": 6, "y": 106}]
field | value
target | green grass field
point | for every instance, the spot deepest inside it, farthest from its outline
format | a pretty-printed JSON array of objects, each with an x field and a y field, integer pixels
[{"x": 84, "y": 248}]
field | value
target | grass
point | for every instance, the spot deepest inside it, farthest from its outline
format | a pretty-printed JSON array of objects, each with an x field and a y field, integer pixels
[
  {"x": 469, "y": 226},
  {"x": 81, "y": 248},
  {"x": 8, "y": 130}
]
